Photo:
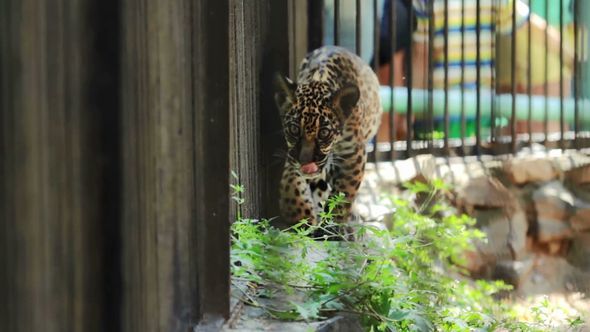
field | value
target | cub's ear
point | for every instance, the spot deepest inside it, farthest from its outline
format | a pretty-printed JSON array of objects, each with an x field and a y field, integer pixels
[
  {"x": 284, "y": 92},
  {"x": 345, "y": 99}
]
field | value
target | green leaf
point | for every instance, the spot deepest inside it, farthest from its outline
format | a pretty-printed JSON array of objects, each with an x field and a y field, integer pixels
[
  {"x": 397, "y": 314},
  {"x": 308, "y": 310},
  {"x": 285, "y": 315}
]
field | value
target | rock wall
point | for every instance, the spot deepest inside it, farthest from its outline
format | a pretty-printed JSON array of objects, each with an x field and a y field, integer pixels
[
  {"x": 535, "y": 209},
  {"x": 536, "y": 213}
]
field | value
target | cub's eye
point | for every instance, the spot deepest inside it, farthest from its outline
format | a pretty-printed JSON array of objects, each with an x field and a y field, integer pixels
[
  {"x": 293, "y": 130},
  {"x": 324, "y": 133}
]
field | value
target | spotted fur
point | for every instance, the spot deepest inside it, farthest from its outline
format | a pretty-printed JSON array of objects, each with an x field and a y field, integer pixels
[{"x": 328, "y": 116}]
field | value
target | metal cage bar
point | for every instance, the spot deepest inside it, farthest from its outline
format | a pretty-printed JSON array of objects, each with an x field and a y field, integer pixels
[
  {"x": 336, "y": 22},
  {"x": 561, "y": 81},
  {"x": 546, "y": 82},
  {"x": 493, "y": 131},
  {"x": 372, "y": 157},
  {"x": 315, "y": 22},
  {"x": 358, "y": 20},
  {"x": 529, "y": 79},
  {"x": 430, "y": 117},
  {"x": 392, "y": 49},
  {"x": 478, "y": 78},
  {"x": 409, "y": 83},
  {"x": 513, "y": 81},
  {"x": 576, "y": 84},
  {"x": 463, "y": 122},
  {"x": 446, "y": 77}
]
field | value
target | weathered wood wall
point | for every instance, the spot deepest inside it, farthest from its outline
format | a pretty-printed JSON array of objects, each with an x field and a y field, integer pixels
[
  {"x": 211, "y": 88},
  {"x": 53, "y": 169},
  {"x": 115, "y": 154},
  {"x": 244, "y": 71},
  {"x": 158, "y": 167},
  {"x": 114, "y": 163},
  {"x": 259, "y": 48}
]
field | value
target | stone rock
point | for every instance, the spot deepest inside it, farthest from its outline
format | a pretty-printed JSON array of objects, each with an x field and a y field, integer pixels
[
  {"x": 550, "y": 274},
  {"x": 581, "y": 191},
  {"x": 517, "y": 238},
  {"x": 554, "y": 247},
  {"x": 580, "y": 219},
  {"x": 579, "y": 252},
  {"x": 209, "y": 323},
  {"x": 553, "y": 201},
  {"x": 515, "y": 273},
  {"x": 506, "y": 234},
  {"x": 551, "y": 230},
  {"x": 525, "y": 170},
  {"x": 484, "y": 192},
  {"x": 458, "y": 171},
  {"x": 343, "y": 322},
  {"x": 579, "y": 175},
  {"x": 569, "y": 160},
  {"x": 477, "y": 264},
  {"x": 554, "y": 205}
]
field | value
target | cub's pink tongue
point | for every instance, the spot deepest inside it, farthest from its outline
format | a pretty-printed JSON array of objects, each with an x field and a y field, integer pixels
[{"x": 309, "y": 168}]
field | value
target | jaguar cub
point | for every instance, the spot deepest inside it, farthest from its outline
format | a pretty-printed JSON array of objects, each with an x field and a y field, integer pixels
[{"x": 328, "y": 116}]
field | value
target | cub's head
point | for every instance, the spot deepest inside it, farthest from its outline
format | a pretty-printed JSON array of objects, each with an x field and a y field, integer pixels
[{"x": 313, "y": 118}]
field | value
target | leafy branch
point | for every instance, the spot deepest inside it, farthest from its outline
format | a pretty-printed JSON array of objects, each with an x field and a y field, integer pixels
[{"x": 393, "y": 279}]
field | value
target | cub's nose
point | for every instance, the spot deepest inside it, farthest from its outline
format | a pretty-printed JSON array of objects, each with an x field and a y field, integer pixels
[{"x": 306, "y": 152}]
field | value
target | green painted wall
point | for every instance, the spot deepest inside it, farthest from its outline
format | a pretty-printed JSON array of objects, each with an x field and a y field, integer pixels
[{"x": 538, "y": 7}]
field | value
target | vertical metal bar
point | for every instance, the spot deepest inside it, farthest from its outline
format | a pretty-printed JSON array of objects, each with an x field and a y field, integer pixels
[
  {"x": 478, "y": 78},
  {"x": 493, "y": 78},
  {"x": 463, "y": 125},
  {"x": 576, "y": 77},
  {"x": 529, "y": 77},
  {"x": 373, "y": 155},
  {"x": 513, "y": 81},
  {"x": 561, "y": 92},
  {"x": 315, "y": 17},
  {"x": 430, "y": 135},
  {"x": 358, "y": 27},
  {"x": 583, "y": 74},
  {"x": 546, "y": 83},
  {"x": 293, "y": 38},
  {"x": 409, "y": 83},
  {"x": 336, "y": 22},
  {"x": 561, "y": 118},
  {"x": 393, "y": 40},
  {"x": 446, "y": 77},
  {"x": 376, "y": 45}
]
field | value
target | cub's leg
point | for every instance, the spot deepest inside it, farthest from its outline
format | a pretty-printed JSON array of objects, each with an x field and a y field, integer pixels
[
  {"x": 346, "y": 177},
  {"x": 320, "y": 191}
]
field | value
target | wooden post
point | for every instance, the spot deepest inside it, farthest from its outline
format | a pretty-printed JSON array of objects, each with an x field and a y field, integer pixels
[
  {"x": 55, "y": 169},
  {"x": 259, "y": 48},
  {"x": 114, "y": 164},
  {"x": 244, "y": 67},
  {"x": 175, "y": 163},
  {"x": 275, "y": 59},
  {"x": 211, "y": 88},
  {"x": 115, "y": 156},
  {"x": 157, "y": 164}
]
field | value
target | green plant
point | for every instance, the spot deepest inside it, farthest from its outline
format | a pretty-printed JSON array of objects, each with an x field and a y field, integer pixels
[{"x": 404, "y": 278}]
